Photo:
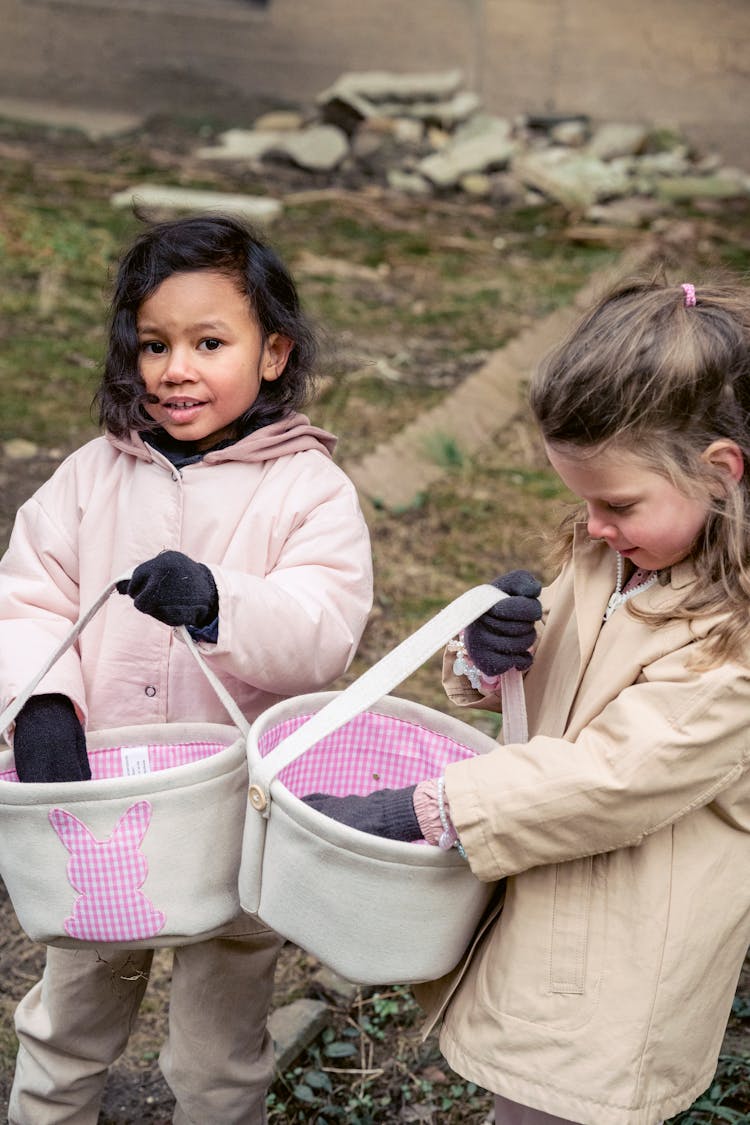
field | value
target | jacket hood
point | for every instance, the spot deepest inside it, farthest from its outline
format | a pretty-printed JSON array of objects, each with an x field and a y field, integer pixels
[{"x": 292, "y": 434}]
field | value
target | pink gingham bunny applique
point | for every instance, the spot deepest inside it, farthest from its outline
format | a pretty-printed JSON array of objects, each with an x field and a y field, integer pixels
[{"x": 108, "y": 874}]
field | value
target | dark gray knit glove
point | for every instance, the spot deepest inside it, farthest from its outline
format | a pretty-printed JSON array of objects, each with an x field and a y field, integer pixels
[
  {"x": 387, "y": 812},
  {"x": 48, "y": 742},
  {"x": 174, "y": 589},
  {"x": 501, "y": 637}
]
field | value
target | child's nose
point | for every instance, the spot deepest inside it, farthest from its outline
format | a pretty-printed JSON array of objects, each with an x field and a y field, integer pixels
[
  {"x": 599, "y": 527},
  {"x": 179, "y": 367}
]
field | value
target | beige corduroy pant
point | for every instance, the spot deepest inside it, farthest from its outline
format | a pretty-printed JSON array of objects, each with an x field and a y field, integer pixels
[{"x": 218, "y": 1058}]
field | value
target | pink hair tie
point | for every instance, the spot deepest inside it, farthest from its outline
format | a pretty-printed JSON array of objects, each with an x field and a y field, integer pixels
[{"x": 689, "y": 291}]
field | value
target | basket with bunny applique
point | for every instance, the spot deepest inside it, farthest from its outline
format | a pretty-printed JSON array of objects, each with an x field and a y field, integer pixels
[
  {"x": 144, "y": 854},
  {"x": 377, "y": 911}
]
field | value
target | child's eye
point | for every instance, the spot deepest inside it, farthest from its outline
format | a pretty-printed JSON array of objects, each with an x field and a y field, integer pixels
[
  {"x": 620, "y": 507},
  {"x": 153, "y": 347},
  {"x": 211, "y": 344}
]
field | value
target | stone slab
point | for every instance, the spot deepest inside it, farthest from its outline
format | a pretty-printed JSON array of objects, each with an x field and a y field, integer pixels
[
  {"x": 258, "y": 208},
  {"x": 294, "y": 1026},
  {"x": 96, "y": 124}
]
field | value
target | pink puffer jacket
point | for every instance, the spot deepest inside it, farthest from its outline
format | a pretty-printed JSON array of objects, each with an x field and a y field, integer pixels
[{"x": 274, "y": 518}]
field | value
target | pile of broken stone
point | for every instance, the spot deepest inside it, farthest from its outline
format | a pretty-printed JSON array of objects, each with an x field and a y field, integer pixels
[{"x": 426, "y": 135}]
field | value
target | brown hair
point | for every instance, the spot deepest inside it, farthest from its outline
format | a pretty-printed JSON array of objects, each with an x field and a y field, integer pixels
[{"x": 662, "y": 379}]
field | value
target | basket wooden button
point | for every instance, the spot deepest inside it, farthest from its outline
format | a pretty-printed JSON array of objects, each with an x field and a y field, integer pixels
[{"x": 257, "y": 797}]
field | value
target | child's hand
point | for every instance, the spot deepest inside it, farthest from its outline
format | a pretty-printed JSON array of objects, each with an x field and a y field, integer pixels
[
  {"x": 501, "y": 637},
  {"x": 387, "y": 812},
  {"x": 174, "y": 589},
  {"x": 49, "y": 743}
]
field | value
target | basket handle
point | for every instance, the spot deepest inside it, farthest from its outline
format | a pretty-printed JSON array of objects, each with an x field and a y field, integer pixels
[
  {"x": 381, "y": 679},
  {"x": 10, "y": 713}
]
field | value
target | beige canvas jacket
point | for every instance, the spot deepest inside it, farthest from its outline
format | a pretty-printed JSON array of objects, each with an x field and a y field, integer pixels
[{"x": 601, "y": 990}]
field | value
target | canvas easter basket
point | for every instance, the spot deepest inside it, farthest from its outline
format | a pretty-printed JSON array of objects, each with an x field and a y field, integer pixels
[
  {"x": 376, "y": 911},
  {"x": 144, "y": 854}
]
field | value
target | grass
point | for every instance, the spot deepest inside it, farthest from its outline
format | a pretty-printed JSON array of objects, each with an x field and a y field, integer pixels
[{"x": 351, "y": 1073}]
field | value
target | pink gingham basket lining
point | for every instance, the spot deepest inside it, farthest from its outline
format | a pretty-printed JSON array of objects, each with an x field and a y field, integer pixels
[
  {"x": 107, "y": 762},
  {"x": 370, "y": 752}
]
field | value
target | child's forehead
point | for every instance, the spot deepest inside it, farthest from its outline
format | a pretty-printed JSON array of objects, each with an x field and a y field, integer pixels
[
  {"x": 601, "y": 471},
  {"x": 201, "y": 291},
  {"x": 600, "y": 458}
]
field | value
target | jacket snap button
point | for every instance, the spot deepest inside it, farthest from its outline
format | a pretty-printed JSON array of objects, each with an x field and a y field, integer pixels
[{"x": 150, "y": 690}]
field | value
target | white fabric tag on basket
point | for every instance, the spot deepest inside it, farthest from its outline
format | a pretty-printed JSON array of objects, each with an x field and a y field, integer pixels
[{"x": 135, "y": 760}]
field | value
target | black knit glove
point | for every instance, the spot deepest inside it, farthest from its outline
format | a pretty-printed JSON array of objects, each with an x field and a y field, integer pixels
[
  {"x": 387, "y": 812},
  {"x": 501, "y": 637},
  {"x": 49, "y": 743},
  {"x": 173, "y": 589}
]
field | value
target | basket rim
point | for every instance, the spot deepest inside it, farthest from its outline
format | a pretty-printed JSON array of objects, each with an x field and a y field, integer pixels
[
  {"x": 39, "y": 793},
  {"x": 390, "y": 706},
  {"x": 376, "y": 848},
  {"x": 331, "y": 831}
]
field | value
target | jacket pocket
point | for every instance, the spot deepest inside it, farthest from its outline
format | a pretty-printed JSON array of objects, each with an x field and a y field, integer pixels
[
  {"x": 544, "y": 960},
  {"x": 571, "y": 912}
]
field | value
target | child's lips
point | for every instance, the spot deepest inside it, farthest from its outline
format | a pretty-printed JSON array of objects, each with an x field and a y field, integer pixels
[{"x": 183, "y": 410}]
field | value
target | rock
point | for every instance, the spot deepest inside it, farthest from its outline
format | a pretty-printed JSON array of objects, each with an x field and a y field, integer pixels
[
  {"x": 279, "y": 121},
  {"x": 508, "y": 191},
  {"x": 633, "y": 211},
  {"x": 445, "y": 114},
  {"x": 421, "y": 132},
  {"x": 438, "y": 139},
  {"x": 339, "y": 989},
  {"x": 367, "y": 143},
  {"x": 572, "y": 134},
  {"x": 426, "y": 97},
  {"x": 613, "y": 139},
  {"x": 93, "y": 123},
  {"x": 407, "y": 131},
  {"x": 486, "y": 152},
  {"x": 680, "y": 188},
  {"x": 316, "y": 265},
  {"x": 672, "y": 162},
  {"x": 482, "y": 124},
  {"x": 573, "y": 179},
  {"x": 549, "y": 121},
  {"x": 19, "y": 449},
  {"x": 707, "y": 164},
  {"x": 258, "y": 208},
  {"x": 383, "y": 86},
  {"x": 320, "y": 148},
  {"x": 294, "y": 1026},
  {"x": 476, "y": 184},
  {"x": 242, "y": 144},
  {"x": 410, "y": 183}
]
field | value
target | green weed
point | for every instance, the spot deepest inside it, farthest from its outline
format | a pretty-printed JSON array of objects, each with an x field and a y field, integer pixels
[
  {"x": 444, "y": 451},
  {"x": 727, "y": 1099}
]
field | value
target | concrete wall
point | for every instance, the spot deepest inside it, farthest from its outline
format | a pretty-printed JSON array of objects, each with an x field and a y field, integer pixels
[{"x": 675, "y": 61}]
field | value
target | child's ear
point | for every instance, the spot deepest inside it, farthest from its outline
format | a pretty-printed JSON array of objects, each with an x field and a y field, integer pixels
[
  {"x": 275, "y": 355},
  {"x": 725, "y": 456}
]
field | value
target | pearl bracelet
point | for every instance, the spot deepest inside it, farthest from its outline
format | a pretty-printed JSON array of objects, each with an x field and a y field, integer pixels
[{"x": 463, "y": 666}]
